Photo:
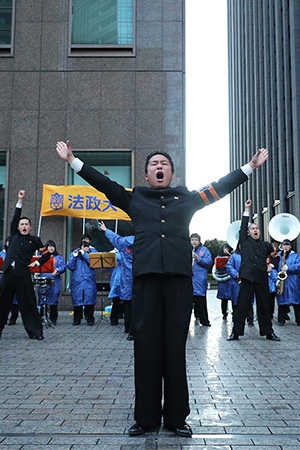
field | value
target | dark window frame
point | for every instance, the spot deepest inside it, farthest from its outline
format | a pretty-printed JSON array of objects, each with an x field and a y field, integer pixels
[
  {"x": 102, "y": 50},
  {"x": 7, "y": 50}
]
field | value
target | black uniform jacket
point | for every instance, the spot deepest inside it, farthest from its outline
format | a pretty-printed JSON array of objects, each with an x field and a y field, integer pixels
[
  {"x": 161, "y": 218},
  {"x": 254, "y": 256},
  {"x": 21, "y": 248}
]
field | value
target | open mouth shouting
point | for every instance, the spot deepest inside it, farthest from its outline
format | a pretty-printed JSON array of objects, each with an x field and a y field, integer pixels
[{"x": 159, "y": 175}]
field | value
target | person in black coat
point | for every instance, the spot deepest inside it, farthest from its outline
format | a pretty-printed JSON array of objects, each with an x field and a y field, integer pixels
[
  {"x": 162, "y": 280},
  {"x": 16, "y": 279},
  {"x": 253, "y": 274}
]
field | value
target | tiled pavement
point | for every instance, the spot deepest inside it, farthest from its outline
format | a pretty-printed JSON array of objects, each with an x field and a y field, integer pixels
[{"x": 74, "y": 390}]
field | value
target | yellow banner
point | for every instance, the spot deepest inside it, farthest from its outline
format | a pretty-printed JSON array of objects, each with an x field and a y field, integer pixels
[{"x": 78, "y": 201}]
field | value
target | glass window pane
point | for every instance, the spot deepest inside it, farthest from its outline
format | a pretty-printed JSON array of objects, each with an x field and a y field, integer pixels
[
  {"x": 5, "y": 22},
  {"x": 102, "y": 22}
]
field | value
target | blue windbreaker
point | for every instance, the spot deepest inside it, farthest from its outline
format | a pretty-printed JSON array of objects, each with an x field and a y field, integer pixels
[
  {"x": 233, "y": 267},
  {"x": 291, "y": 289},
  {"x": 224, "y": 289},
  {"x": 83, "y": 279},
  {"x": 53, "y": 292},
  {"x": 200, "y": 269},
  {"x": 115, "y": 278},
  {"x": 125, "y": 247}
]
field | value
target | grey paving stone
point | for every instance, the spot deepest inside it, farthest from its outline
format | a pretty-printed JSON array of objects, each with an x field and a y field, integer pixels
[{"x": 81, "y": 395}]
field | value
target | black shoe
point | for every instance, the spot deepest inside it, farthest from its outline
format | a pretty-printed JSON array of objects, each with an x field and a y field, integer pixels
[
  {"x": 130, "y": 337},
  {"x": 281, "y": 324},
  {"x": 233, "y": 337},
  {"x": 11, "y": 322},
  {"x": 90, "y": 322},
  {"x": 138, "y": 430},
  {"x": 272, "y": 337},
  {"x": 206, "y": 324},
  {"x": 224, "y": 317},
  {"x": 38, "y": 338},
  {"x": 183, "y": 430},
  {"x": 287, "y": 317},
  {"x": 75, "y": 323},
  {"x": 251, "y": 323}
]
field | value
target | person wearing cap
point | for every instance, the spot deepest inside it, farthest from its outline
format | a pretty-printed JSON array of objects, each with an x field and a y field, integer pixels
[
  {"x": 162, "y": 280},
  {"x": 253, "y": 274},
  {"x": 289, "y": 263}
]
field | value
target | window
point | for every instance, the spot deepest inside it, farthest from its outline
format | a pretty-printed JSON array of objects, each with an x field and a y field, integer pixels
[
  {"x": 7, "y": 9},
  {"x": 102, "y": 28},
  {"x": 117, "y": 165},
  {"x": 2, "y": 195}
]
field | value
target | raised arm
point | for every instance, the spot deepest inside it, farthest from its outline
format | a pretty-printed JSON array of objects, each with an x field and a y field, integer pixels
[
  {"x": 65, "y": 152},
  {"x": 116, "y": 193},
  {"x": 259, "y": 158},
  {"x": 245, "y": 221},
  {"x": 17, "y": 214}
]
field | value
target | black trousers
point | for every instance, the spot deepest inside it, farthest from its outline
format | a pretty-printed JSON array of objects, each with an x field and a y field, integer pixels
[
  {"x": 200, "y": 309},
  {"x": 224, "y": 306},
  {"x": 14, "y": 312},
  {"x": 247, "y": 290},
  {"x": 283, "y": 310},
  {"x": 12, "y": 285},
  {"x": 127, "y": 315},
  {"x": 88, "y": 313},
  {"x": 114, "y": 316},
  {"x": 161, "y": 312}
]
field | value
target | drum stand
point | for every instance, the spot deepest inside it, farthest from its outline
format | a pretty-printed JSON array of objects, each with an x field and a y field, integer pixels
[
  {"x": 45, "y": 320},
  {"x": 102, "y": 260},
  {"x": 42, "y": 284}
]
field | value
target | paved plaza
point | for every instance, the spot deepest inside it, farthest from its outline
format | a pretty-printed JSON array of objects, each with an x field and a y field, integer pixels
[{"x": 75, "y": 391}]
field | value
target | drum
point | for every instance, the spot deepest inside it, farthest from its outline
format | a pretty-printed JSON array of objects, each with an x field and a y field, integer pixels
[{"x": 42, "y": 281}]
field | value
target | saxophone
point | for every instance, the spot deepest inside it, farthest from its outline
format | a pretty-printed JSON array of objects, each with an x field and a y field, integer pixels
[{"x": 282, "y": 275}]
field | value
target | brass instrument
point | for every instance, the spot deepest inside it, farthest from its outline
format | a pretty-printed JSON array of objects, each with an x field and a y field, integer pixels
[{"x": 282, "y": 275}]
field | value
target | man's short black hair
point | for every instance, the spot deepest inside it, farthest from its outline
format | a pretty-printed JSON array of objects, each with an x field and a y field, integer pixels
[
  {"x": 195, "y": 235},
  {"x": 286, "y": 242},
  {"x": 159, "y": 153},
  {"x": 24, "y": 218},
  {"x": 86, "y": 236}
]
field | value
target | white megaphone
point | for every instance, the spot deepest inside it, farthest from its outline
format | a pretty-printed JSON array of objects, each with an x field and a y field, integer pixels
[
  {"x": 233, "y": 233},
  {"x": 284, "y": 226}
]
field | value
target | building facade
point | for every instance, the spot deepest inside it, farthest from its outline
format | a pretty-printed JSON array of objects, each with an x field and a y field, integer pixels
[
  {"x": 108, "y": 76},
  {"x": 264, "y": 99}
]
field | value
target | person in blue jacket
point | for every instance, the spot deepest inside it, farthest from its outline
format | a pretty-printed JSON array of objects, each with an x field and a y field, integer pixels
[
  {"x": 14, "y": 312},
  {"x": 233, "y": 267},
  {"x": 53, "y": 292},
  {"x": 291, "y": 289},
  {"x": 83, "y": 283},
  {"x": 125, "y": 247},
  {"x": 202, "y": 262},
  {"x": 114, "y": 293},
  {"x": 224, "y": 291}
]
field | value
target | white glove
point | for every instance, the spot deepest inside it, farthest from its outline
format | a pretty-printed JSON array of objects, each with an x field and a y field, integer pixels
[
  {"x": 284, "y": 268},
  {"x": 75, "y": 253}
]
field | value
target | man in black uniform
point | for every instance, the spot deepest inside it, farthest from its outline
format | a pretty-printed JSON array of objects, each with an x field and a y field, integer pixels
[
  {"x": 17, "y": 278},
  {"x": 162, "y": 280},
  {"x": 254, "y": 279}
]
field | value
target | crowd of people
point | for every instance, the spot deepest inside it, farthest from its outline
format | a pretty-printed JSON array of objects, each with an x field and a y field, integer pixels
[{"x": 155, "y": 281}]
